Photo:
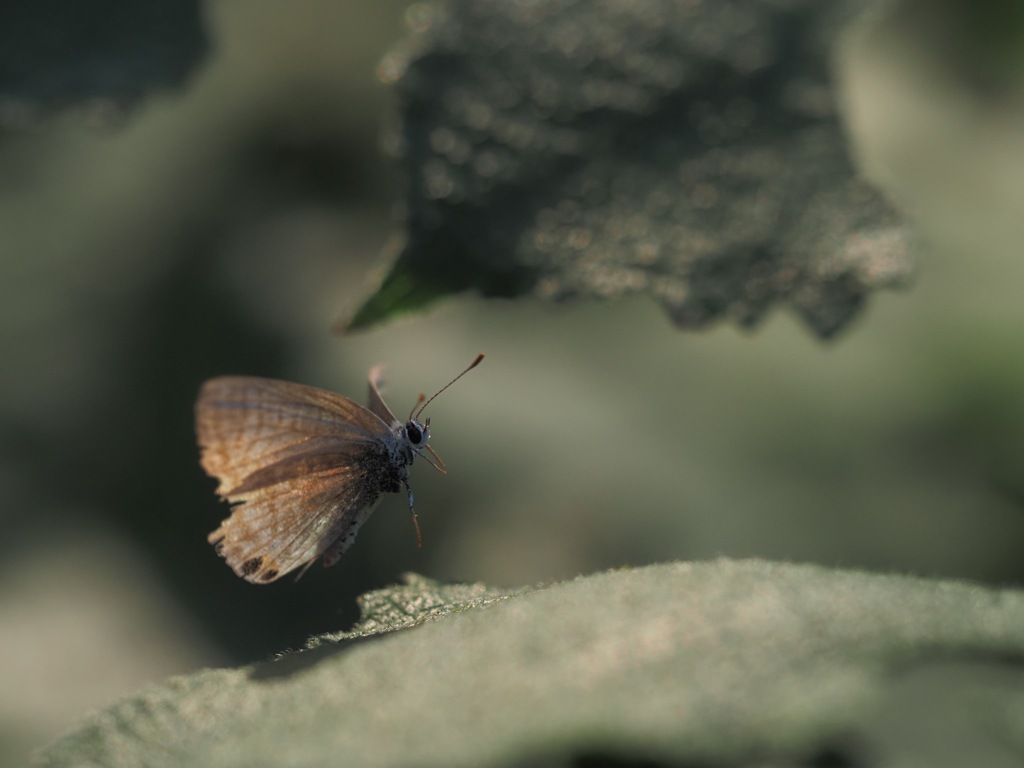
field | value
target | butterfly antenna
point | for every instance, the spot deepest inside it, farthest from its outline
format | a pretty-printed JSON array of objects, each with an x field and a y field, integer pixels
[
  {"x": 419, "y": 400},
  {"x": 472, "y": 365}
]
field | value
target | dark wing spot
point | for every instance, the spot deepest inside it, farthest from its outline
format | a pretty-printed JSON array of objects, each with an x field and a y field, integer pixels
[
  {"x": 269, "y": 575},
  {"x": 250, "y": 566}
]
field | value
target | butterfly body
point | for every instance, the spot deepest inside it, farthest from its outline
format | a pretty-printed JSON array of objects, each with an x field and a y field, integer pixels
[{"x": 303, "y": 468}]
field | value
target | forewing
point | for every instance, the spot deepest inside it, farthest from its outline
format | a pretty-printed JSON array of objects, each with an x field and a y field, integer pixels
[
  {"x": 247, "y": 426},
  {"x": 277, "y": 528},
  {"x": 376, "y": 403}
]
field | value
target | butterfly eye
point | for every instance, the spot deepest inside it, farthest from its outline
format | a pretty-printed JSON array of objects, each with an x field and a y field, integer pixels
[{"x": 413, "y": 432}]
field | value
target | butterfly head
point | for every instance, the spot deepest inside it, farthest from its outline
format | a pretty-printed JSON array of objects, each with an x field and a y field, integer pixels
[{"x": 417, "y": 434}]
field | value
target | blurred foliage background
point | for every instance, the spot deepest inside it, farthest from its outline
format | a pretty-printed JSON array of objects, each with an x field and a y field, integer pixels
[{"x": 223, "y": 225}]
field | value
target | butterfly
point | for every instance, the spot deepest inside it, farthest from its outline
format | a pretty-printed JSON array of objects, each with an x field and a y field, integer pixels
[{"x": 303, "y": 468}]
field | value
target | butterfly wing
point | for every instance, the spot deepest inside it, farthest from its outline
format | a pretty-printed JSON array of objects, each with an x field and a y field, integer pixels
[
  {"x": 294, "y": 460},
  {"x": 281, "y": 527},
  {"x": 246, "y": 425},
  {"x": 376, "y": 401}
]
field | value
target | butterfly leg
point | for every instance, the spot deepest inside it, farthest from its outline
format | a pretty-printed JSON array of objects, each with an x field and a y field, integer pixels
[
  {"x": 305, "y": 568},
  {"x": 419, "y": 540}
]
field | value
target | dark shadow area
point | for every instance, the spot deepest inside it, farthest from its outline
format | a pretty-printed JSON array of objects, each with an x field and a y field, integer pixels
[
  {"x": 294, "y": 662},
  {"x": 57, "y": 53},
  {"x": 837, "y": 756},
  {"x": 132, "y": 459},
  {"x": 597, "y": 760}
]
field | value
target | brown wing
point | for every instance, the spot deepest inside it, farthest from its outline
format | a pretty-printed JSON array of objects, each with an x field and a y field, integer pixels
[
  {"x": 279, "y": 528},
  {"x": 376, "y": 402},
  {"x": 288, "y": 455},
  {"x": 247, "y": 424}
]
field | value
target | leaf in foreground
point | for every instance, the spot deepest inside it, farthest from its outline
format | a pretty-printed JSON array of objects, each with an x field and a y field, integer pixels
[{"x": 713, "y": 663}]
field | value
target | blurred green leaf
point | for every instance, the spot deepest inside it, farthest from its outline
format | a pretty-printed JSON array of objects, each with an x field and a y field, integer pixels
[
  {"x": 59, "y": 54},
  {"x": 414, "y": 283},
  {"x": 690, "y": 151},
  {"x": 994, "y": 29},
  {"x": 686, "y": 663},
  {"x": 979, "y": 42},
  {"x": 401, "y": 292}
]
